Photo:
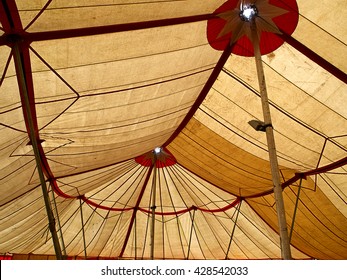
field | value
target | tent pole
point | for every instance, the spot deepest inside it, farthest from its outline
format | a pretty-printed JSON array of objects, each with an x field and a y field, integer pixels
[
  {"x": 135, "y": 228},
  {"x": 83, "y": 233},
  {"x": 237, "y": 211},
  {"x": 191, "y": 234},
  {"x": 59, "y": 226},
  {"x": 153, "y": 207},
  {"x": 281, "y": 215},
  {"x": 23, "y": 88},
  {"x": 295, "y": 209}
]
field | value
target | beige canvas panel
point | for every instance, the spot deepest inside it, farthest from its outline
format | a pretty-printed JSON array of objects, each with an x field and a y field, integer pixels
[
  {"x": 215, "y": 159},
  {"x": 79, "y": 160},
  {"x": 10, "y": 108},
  {"x": 325, "y": 16},
  {"x": 19, "y": 177},
  {"x": 319, "y": 229},
  {"x": 96, "y": 181},
  {"x": 233, "y": 105},
  {"x": 303, "y": 73},
  {"x": 101, "y": 231},
  {"x": 79, "y": 14},
  {"x": 5, "y": 57},
  {"x": 28, "y": 226},
  {"x": 154, "y": 115},
  {"x": 321, "y": 42},
  {"x": 334, "y": 186},
  {"x": 79, "y": 51}
]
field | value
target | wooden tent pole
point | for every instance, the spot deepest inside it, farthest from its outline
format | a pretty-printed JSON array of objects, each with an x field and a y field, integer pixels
[
  {"x": 135, "y": 237},
  {"x": 281, "y": 216},
  {"x": 83, "y": 232},
  {"x": 63, "y": 249},
  {"x": 23, "y": 88},
  {"x": 153, "y": 207}
]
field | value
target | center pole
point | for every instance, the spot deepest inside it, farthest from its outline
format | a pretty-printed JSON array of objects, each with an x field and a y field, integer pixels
[
  {"x": 153, "y": 207},
  {"x": 281, "y": 216},
  {"x": 17, "y": 55}
]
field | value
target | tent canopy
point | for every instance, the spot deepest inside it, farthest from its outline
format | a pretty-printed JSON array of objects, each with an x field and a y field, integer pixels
[{"x": 89, "y": 89}]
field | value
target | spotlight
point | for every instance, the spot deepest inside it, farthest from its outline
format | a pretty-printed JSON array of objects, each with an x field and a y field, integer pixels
[
  {"x": 157, "y": 150},
  {"x": 248, "y": 12},
  {"x": 259, "y": 125}
]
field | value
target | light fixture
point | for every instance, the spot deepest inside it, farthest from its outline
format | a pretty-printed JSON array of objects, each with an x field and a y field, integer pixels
[
  {"x": 248, "y": 12},
  {"x": 259, "y": 125},
  {"x": 157, "y": 150}
]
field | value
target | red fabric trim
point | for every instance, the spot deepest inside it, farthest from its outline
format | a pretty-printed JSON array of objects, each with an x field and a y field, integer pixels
[
  {"x": 99, "y": 206},
  {"x": 3, "y": 18},
  {"x": 26, "y": 63},
  {"x": 217, "y": 210},
  {"x": 58, "y": 191},
  {"x": 164, "y": 159},
  {"x": 327, "y": 168},
  {"x": 316, "y": 171},
  {"x": 268, "y": 41},
  {"x": 136, "y": 207},
  {"x": 231, "y": 205},
  {"x": 135, "y": 210},
  {"x": 52, "y": 257},
  {"x": 5, "y": 257},
  {"x": 89, "y": 31},
  {"x": 9, "y": 17},
  {"x": 303, "y": 175}
]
